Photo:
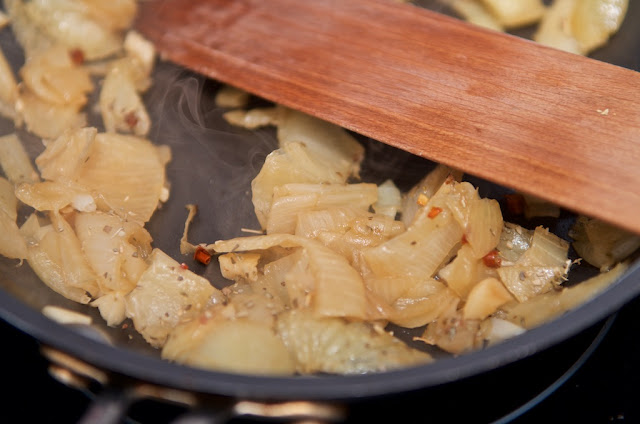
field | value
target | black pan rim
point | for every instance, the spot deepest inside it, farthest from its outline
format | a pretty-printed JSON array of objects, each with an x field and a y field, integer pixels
[{"x": 326, "y": 388}]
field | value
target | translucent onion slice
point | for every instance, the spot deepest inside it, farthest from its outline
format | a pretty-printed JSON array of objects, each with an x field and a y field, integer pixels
[
  {"x": 8, "y": 89},
  {"x": 49, "y": 195},
  {"x": 67, "y": 23},
  {"x": 420, "y": 194},
  {"x": 390, "y": 288},
  {"x": 464, "y": 271},
  {"x": 299, "y": 281},
  {"x": 485, "y": 298},
  {"x": 15, "y": 161},
  {"x": 500, "y": 330},
  {"x": 114, "y": 15},
  {"x": 116, "y": 249},
  {"x": 516, "y": 13},
  {"x": 475, "y": 12},
  {"x": 121, "y": 106},
  {"x": 338, "y": 289},
  {"x": 141, "y": 176},
  {"x": 142, "y": 55},
  {"x": 55, "y": 255},
  {"x": 258, "y": 301},
  {"x": 53, "y": 77},
  {"x": 423, "y": 303},
  {"x": 552, "y": 304},
  {"x": 419, "y": 251},
  {"x": 333, "y": 345},
  {"x": 454, "y": 334},
  {"x": 231, "y": 97},
  {"x": 290, "y": 200},
  {"x": 514, "y": 241},
  {"x": 166, "y": 294},
  {"x": 547, "y": 250},
  {"x": 459, "y": 198},
  {"x": 64, "y": 156},
  {"x": 329, "y": 144},
  {"x": 8, "y": 199},
  {"x": 237, "y": 346},
  {"x": 601, "y": 244},
  {"x": 239, "y": 266},
  {"x": 48, "y": 120},
  {"x": 389, "y": 201},
  {"x": 484, "y": 226},
  {"x": 293, "y": 163},
  {"x": 338, "y": 219},
  {"x": 368, "y": 231},
  {"x": 12, "y": 243},
  {"x": 526, "y": 281},
  {"x": 555, "y": 29},
  {"x": 112, "y": 307},
  {"x": 594, "y": 21},
  {"x": 249, "y": 119}
]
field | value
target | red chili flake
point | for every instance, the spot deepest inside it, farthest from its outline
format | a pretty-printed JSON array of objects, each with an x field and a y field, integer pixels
[
  {"x": 125, "y": 326},
  {"x": 515, "y": 203},
  {"x": 435, "y": 211},
  {"x": 492, "y": 259},
  {"x": 184, "y": 266},
  {"x": 131, "y": 119},
  {"x": 464, "y": 239},
  {"x": 77, "y": 56},
  {"x": 201, "y": 255}
]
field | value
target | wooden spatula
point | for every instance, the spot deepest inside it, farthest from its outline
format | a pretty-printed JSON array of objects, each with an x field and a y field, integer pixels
[{"x": 548, "y": 123}]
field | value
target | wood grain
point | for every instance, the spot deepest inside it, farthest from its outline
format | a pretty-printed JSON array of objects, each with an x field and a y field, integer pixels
[{"x": 548, "y": 123}]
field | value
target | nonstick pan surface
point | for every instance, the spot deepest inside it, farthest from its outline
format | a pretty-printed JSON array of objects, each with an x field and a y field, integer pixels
[{"x": 213, "y": 165}]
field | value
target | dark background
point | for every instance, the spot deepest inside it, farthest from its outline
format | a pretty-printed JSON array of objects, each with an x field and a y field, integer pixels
[{"x": 603, "y": 390}]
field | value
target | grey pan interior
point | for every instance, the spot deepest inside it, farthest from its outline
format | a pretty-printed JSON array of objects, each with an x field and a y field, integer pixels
[{"x": 213, "y": 164}]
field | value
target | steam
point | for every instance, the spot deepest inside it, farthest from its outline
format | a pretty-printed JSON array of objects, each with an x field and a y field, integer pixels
[{"x": 213, "y": 162}]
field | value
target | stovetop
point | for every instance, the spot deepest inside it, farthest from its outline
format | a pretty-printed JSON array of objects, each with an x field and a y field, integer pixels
[{"x": 603, "y": 389}]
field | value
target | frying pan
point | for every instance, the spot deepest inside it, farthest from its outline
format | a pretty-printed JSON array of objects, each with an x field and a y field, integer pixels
[{"x": 213, "y": 165}]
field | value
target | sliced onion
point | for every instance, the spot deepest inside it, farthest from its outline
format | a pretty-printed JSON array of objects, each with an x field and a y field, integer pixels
[
  {"x": 484, "y": 226},
  {"x": 419, "y": 251},
  {"x": 8, "y": 89},
  {"x": 238, "y": 346},
  {"x": 141, "y": 176},
  {"x": 334, "y": 345},
  {"x": 423, "y": 303},
  {"x": 166, "y": 294},
  {"x": 338, "y": 289},
  {"x": 116, "y": 249},
  {"x": 554, "y": 303},
  {"x": 290, "y": 200},
  {"x": 8, "y": 199},
  {"x": 15, "y": 161},
  {"x": 55, "y": 255},
  {"x": 485, "y": 298},
  {"x": 64, "y": 156},
  {"x": 516, "y": 13}
]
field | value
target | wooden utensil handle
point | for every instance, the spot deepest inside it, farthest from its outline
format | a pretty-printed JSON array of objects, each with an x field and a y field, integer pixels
[{"x": 545, "y": 122}]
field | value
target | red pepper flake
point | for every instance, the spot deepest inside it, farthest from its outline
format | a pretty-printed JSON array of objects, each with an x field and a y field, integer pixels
[
  {"x": 201, "y": 255},
  {"x": 435, "y": 211},
  {"x": 131, "y": 119},
  {"x": 492, "y": 259},
  {"x": 515, "y": 203},
  {"x": 77, "y": 56},
  {"x": 464, "y": 239},
  {"x": 184, "y": 266},
  {"x": 125, "y": 326}
]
